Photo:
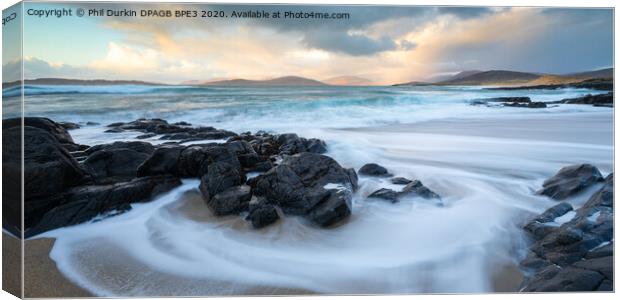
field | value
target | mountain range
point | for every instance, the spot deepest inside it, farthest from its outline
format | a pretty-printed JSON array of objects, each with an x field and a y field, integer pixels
[
  {"x": 513, "y": 78},
  {"x": 471, "y": 77}
]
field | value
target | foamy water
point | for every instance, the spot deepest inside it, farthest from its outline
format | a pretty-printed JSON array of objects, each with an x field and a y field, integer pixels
[{"x": 486, "y": 164}]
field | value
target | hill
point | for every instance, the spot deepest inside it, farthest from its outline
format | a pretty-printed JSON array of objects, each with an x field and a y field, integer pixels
[
  {"x": 64, "y": 81},
  {"x": 280, "y": 81},
  {"x": 494, "y": 77}
]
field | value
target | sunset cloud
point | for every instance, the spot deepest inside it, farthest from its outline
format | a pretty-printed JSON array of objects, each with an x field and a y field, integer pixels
[{"x": 384, "y": 44}]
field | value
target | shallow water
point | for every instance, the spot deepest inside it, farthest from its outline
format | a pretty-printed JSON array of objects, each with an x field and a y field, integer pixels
[{"x": 486, "y": 163}]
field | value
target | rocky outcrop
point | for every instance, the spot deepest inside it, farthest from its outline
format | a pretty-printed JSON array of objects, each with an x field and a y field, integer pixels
[
  {"x": 311, "y": 185},
  {"x": 66, "y": 188},
  {"x": 81, "y": 204},
  {"x": 525, "y": 102},
  {"x": 570, "y": 180},
  {"x": 181, "y": 131},
  {"x": 606, "y": 100},
  {"x": 572, "y": 250}
]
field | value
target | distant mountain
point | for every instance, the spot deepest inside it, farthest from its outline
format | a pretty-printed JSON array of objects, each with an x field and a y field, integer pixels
[
  {"x": 64, "y": 81},
  {"x": 348, "y": 80},
  {"x": 413, "y": 83},
  {"x": 458, "y": 75},
  {"x": 494, "y": 77},
  {"x": 602, "y": 73},
  {"x": 280, "y": 81}
]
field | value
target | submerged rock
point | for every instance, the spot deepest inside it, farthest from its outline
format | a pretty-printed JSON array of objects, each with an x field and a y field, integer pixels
[
  {"x": 400, "y": 180},
  {"x": 570, "y": 180},
  {"x": 412, "y": 189},
  {"x": 373, "y": 169},
  {"x": 606, "y": 100}
]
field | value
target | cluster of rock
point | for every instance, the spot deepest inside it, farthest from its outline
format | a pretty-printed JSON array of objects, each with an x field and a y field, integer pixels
[
  {"x": 603, "y": 100},
  {"x": 181, "y": 131},
  {"x": 572, "y": 250},
  {"x": 509, "y": 102},
  {"x": 66, "y": 183},
  {"x": 412, "y": 188}
]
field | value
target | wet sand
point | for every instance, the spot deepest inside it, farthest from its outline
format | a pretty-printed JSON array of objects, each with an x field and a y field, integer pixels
[
  {"x": 11, "y": 264},
  {"x": 42, "y": 278}
]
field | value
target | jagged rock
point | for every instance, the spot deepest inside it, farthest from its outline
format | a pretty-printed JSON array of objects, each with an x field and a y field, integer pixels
[
  {"x": 576, "y": 255},
  {"x": 114, "y": 165},
  {"x": 230, "y": 201},
  {"x": 309, "y": 184},
  {"x": 386, "y": 194},
  {"x": 413, "y": 189},
  {"x": 262, "y": 214},
  {"x": 416, "y": 188},
  {"x": 164, "y": 160},
  {"x": 570, "y": 180},
  {"x": 81, "y": 204}
]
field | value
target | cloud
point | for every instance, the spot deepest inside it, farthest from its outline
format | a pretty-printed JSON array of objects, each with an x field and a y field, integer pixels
[{"x": 353, "y": 44}]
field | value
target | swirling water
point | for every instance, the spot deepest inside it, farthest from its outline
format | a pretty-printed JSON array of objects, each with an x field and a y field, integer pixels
[{"x": 486, "y": 163}]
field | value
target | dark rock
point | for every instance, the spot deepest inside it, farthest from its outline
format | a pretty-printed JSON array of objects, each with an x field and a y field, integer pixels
[
  {"x": 598, "y": 100},
  {"x": 53, "y": 128},
  {"x": 230, "y": 201},
  {"x": 262, "y": 214},
  {"x": 48, "y": 167},
  {"x": 83, "y": 203},
  {"x": 142, "y": 147},
  {"x": 373, "y": 170},
  {"x": 385, "y": 194},
  {"x": 164, "y": 160},
  {"x": 537, "y": 105},
  {"x": 413, "y": 189},
  {"x": 604, "y": 196},
  {"x": 556, "y": 211},
  {"x": 221, "y": 175},
  {"x": 569, "y": 279},
  {"x": 510, "y": 99},
  {"x": 316, "y": 146},
  {"x": 114, "y": 165},
  {"x": 335, "y": 208},
  {"x": 146, "y": 136},
  {"x": 400, "y": 180},
  {"x": 570, "y": 180},
  {"x": 416, "y": 188},
  {"x": 309, "y": 184},
  {"x": 177, "y": 131},
  {"x": 577, "y": 255},
  {"x": 69, "y": 125}
]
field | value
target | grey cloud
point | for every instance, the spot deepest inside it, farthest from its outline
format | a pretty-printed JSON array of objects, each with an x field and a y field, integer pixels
[{"x": 350, "y": 44}]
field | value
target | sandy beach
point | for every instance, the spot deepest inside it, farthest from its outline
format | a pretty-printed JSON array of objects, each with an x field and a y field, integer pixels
[{"x": 42, "y": 278}]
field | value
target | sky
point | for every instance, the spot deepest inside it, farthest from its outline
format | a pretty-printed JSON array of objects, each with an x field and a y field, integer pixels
[{"x": 386, "y": 45}]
